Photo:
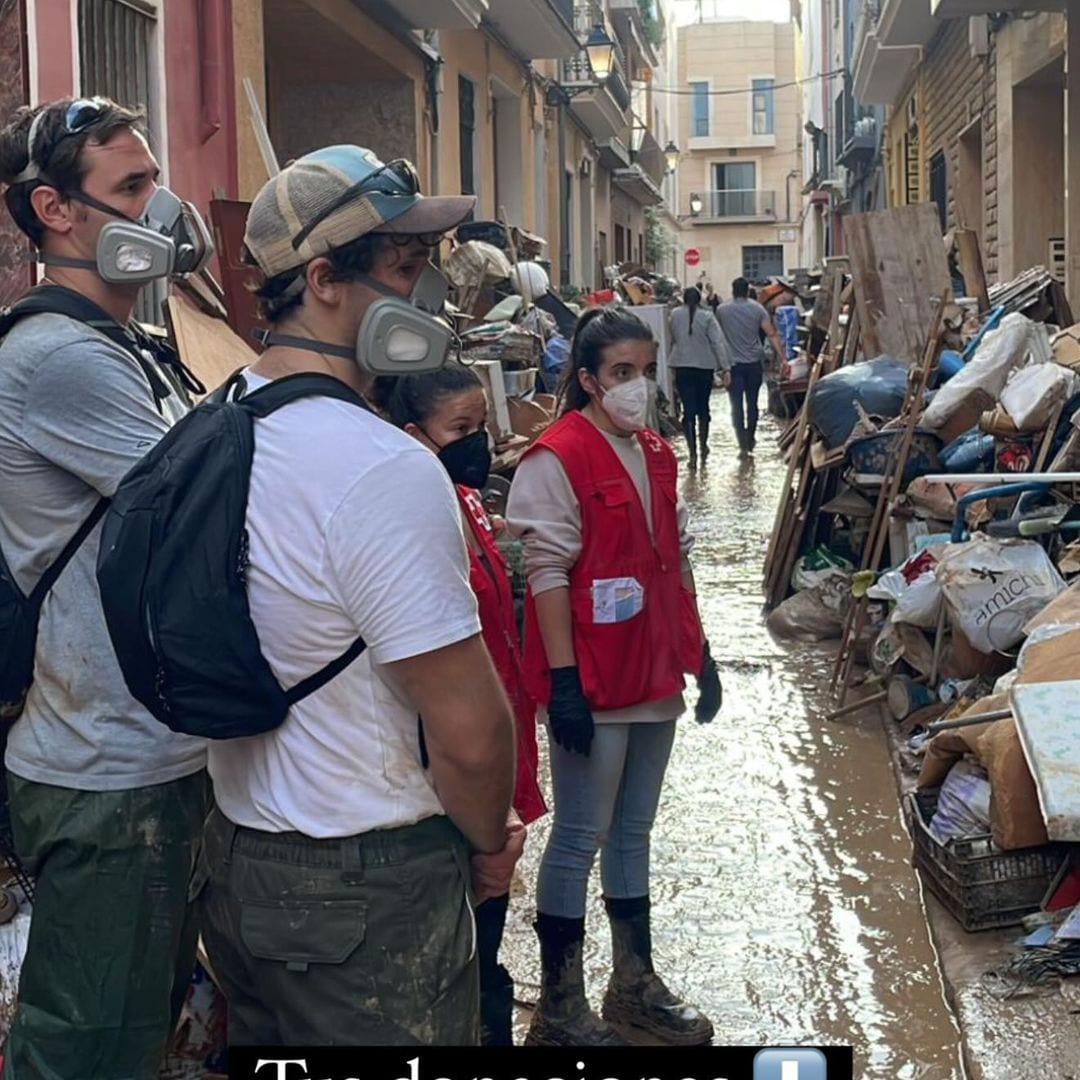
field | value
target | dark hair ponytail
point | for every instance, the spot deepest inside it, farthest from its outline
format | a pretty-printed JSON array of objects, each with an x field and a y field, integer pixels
[
  {"x": 692, "y": 298},
  {"x": 595, "y": 331},
  {"x": 413, "y": 399}
]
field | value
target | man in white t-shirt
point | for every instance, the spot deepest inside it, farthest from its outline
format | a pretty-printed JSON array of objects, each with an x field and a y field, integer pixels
[{"x": 337, "y": 908}]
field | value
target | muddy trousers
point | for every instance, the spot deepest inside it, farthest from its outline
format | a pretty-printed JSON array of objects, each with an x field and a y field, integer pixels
[
  {"x": 605, "y": 802},
  {"x": 367, "y": 940},
  {"x": 112, "y": 939}
]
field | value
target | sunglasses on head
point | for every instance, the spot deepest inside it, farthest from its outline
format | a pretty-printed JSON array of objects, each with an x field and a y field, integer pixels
[
  {"x": 80, "y": 115},
  {"x": 395, "y": 179},
  {"x": 403, "y": 240}
]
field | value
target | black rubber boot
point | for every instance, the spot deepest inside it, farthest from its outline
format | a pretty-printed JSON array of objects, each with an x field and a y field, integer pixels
[
  {"x": 563, "y": 1016},
  {"x": 496, "y": 1008},
  {"x": 691, "y": 444},
  {"x": 703, "y": 435},
  {"x": 636, "y": 995}
]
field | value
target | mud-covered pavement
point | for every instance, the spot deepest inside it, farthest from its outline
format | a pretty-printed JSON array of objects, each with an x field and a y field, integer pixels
[{"x": 784, "y": 902}]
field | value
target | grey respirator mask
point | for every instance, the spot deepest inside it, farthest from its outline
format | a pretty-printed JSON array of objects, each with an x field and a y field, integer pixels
[
  {"x": 170, "y": 239},
  {"x": 397, "y": 336}
]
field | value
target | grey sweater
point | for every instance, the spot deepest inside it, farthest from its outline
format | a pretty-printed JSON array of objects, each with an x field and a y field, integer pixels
[{"x": 704, "y": 348}]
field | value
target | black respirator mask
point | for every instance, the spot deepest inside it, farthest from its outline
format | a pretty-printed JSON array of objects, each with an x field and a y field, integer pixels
[
  {"x": 467, "y": 460},
  {"x": 170, "y": 239},
  {"x": 397, "y": 336}
]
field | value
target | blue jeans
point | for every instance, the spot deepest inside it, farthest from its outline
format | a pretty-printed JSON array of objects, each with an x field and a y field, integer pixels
[
  {"x": 604, "y": 802},
  {"x": 745, "y": 383}
]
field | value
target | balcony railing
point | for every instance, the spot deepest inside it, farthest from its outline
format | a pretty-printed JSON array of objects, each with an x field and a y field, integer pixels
[
  {"x": 739, "y": 204},
  {"x": 576, "y": 70}
]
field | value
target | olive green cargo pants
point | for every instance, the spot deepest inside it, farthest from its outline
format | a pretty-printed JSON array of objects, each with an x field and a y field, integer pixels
[
  {"x": 112, "y": 937},
  {"x": 364, "y": 941}
]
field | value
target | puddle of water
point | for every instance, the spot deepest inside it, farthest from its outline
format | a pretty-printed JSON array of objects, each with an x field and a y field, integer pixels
[{"x": 784, "y": 903}]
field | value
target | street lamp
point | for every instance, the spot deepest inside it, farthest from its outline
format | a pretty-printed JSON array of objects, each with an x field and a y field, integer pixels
[
  {"x": 600, "y": 50},
  {"x": 695, "y": 204},
  {"x": 671, "y": 156}
]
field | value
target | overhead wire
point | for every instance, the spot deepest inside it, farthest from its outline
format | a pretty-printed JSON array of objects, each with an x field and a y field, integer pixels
[{"x": 681, "y": 92}]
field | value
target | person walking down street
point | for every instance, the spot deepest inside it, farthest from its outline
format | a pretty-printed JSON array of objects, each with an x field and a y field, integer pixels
[
  {"x": 447, "y": 412},
  {"x": 697, "y": 354},
  {"x": 611, "y": 626},
  {"x": 337, "y": 909},
  {"x": 743, "y": 321},
  {"x": 106, "y": 803}
]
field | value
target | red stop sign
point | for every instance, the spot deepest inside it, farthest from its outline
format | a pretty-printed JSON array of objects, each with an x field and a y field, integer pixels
[{"x": 693, "y": 256}]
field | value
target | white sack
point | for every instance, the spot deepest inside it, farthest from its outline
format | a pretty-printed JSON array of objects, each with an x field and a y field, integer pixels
[
  {"x": 999, "y": 352},
  {"x": 1032, "y": 393},
  {"x": 993, "y": 588}
]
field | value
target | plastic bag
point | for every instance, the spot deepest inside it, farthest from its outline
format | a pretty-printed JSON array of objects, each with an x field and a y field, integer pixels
[
  {"x": 963, "y": 807},
  {"x": 815, "y": 614},
  {"x": 920, "y": 603},
  {"x": 994, "y": 587},
  {"x": 1000, "y": 351},
  {"x": 816, "y": 567},
  {"x": 878, "y": 385},
  {"x": 1032, "y": 393}
]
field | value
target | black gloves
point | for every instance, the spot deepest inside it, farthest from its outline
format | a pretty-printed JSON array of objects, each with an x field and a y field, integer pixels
[
  {"x": 569, "y": 713},
  {"x": 711, "y": 693}
]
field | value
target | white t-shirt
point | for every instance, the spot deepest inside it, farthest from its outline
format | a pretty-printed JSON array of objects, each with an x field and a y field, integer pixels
[{"x": 354, "y": 531}]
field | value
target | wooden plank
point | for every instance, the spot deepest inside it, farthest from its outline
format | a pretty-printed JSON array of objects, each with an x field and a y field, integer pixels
[
  {"x": 971, "y": 266},
  {"x": 855, "y": 618},
  {"x": 900, "y": 271},
  {"x": 206, "y": 345}
]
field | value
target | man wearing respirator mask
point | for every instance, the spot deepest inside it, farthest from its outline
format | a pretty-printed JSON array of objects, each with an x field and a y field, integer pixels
[
  {"x": 331, "y": 821},
  {"x": 83, "y": 395}
]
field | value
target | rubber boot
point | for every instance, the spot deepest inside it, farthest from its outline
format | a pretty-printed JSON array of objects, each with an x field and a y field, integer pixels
[
  {"x": 496, "y": 1007},
  {"x": 636, "y": 995},
  {"x": 703, "y": 435},
  {"x": 691, "y": 445},
  {"x": 563, "y": 1016}
]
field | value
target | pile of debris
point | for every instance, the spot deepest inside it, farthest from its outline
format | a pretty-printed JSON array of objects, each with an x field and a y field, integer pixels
[{"x": 930, "y": 522}]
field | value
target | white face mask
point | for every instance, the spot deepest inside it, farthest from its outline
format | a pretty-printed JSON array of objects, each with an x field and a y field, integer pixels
[{"x": 629, "y": 403}]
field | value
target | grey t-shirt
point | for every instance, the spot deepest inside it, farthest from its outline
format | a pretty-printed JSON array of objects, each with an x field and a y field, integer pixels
[
  {"x": 741, "y": 321},
  {"x": 76, "y": 412}
]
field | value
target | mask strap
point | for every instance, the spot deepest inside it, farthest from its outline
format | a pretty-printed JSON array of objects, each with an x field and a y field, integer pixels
[
  {"x": 97, "y": 204},
  {"x": 269, "y": 337},
  {"x": 63, "y": 260}
]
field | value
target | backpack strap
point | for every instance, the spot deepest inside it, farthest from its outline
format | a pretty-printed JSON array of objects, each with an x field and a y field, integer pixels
[
  {"x": 315, "y": 682},
  {"x": 268, "y": 399},
  {"x": 48, "y": 579},
  {"x": 59, "y": 300},
  {"x": 260, "y": 404}
]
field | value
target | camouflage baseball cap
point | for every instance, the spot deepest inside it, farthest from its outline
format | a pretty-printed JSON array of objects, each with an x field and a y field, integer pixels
[{"x": 333, "y": 196}]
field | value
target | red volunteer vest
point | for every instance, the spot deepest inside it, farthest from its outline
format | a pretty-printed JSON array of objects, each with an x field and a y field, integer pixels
[
  {"x": 490, "y": 580},
  {"x": 636, "y": 629}
]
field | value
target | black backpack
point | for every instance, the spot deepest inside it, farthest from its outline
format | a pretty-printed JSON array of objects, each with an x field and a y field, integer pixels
[
  {"x": 19, "y": 612},
  {"x": 172, "y": 572}
]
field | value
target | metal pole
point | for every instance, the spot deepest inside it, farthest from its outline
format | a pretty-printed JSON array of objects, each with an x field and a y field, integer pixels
[{"x": 968, "y": 721}]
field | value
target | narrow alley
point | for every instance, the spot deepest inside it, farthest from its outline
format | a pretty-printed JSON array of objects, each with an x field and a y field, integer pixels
[{"x": 785, "y": 903}]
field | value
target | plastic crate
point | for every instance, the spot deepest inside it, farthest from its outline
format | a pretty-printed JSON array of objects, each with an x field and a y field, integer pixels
[{"x": 981, "y": 886}]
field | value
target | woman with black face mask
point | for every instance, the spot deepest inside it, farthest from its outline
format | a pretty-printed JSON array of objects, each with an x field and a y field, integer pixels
[{"x": 447, "y": 411}]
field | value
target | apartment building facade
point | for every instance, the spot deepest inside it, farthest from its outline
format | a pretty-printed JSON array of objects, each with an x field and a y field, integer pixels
[
  {"x": 740, "y": 125},
  {"x": 491, "y": 97},
  {"x": 982, "y": 118}
]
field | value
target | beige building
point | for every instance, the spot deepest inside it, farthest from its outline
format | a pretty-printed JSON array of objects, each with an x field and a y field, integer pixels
[
  {"x": 740, "y": 132},
  {"x": 491, "y": 97}
]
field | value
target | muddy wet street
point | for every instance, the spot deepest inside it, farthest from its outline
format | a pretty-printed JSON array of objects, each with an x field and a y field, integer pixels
[{"x": 784, "y": 903}]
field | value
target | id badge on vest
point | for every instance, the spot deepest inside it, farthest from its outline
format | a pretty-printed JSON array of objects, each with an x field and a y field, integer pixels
[{"x": 617, "y": 600}]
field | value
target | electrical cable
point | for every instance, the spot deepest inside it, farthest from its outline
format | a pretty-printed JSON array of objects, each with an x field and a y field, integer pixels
[{"x": 679, "y": 92}]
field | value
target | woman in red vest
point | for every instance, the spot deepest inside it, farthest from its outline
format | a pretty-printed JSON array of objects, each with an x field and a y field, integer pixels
[
  {"x": 447, "y": 411},
  {"x": 612, "y": 627}
]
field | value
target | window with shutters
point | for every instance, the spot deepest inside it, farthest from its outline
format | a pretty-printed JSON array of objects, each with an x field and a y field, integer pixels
[
  {"x": 116, "y": 55},
  {"x": 764, "y": 106},
  {"x": 467, "y": 133},
  {"x": 117, "y": 60},
  {"x": 700, "y": 96}
]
